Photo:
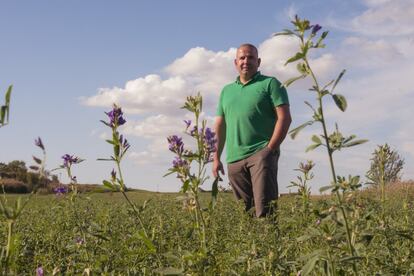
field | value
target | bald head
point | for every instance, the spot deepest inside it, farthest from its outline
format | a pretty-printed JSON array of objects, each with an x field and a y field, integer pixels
[{"x": 250, "y": 46}]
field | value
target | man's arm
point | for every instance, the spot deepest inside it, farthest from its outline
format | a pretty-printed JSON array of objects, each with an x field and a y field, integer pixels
[
  {"x": 220, "y": 129},
  {"x": 281, "y": 127}
]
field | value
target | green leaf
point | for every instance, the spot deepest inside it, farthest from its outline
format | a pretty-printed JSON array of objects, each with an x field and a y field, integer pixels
[
  {"x": 110, "y": 141},
  {"x": 148, "y": 243},
  {"x": 325, "y": 188},
  {"x": 3, "y": 112},
  {"x": 302, "y": 68},
  {"x": 105, "y": 159},
  {"x": 319, "y": 43},
  {"x": 356, "y": 142},
  {"x": 185, "y": 186},
  {"x": 310, "y": 264},
  {"x": 324, "y": 92},
  {"x": 8, "y": 93},
  {"x": 292, "y": 80},
  {"x": 338, "y": 79},
  {"x": 105, "y": 123},
  {"x": 340, "y": 101},
  {"x": 171, "y": 171},
  {"x": 37, "y": 160},
  {"x": 284, "y": 32},
  {"x": 350, "y": 259},
  {"x": 294, "y": 58},
  {"x": 294, "y": 132},
  {"x": 108, "y": 185},
  {"x": 316, "y": 139},
  {"x": 312, "y": 147}
]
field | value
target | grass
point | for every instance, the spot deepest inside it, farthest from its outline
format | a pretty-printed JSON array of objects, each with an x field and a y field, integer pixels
[{"x": 103, "y": 236}]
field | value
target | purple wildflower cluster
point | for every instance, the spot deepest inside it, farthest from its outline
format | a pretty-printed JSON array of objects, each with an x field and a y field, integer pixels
[
  {"x": 60, "y": 190},
  {"x": 210, "y": 139},
  {"x": 68, "y": 160},
  {"x": 113, "y": 175},
  {"x": 39, "y": 143},
  {"x": 39, "y": 271},
  {"x": 179, "y": 163},
  {"x": 79, "y": 241},
  {"x": 176, "y": 144},
  {"x": 115, "y": 117},
  {"x": 187, "y": 123},
  {"x": 316, "y": 28},
  {"x": 209, "y": 144}
]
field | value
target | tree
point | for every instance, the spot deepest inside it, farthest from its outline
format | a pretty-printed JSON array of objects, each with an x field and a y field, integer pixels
[
  {"x": 386, "y": 166},
  {"x": 17, "y": 169}
]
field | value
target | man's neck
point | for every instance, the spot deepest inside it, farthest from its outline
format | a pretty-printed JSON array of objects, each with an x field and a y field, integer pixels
[{"x": 245, "y": 79}]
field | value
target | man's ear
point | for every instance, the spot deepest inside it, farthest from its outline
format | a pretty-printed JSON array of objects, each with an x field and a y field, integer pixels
[
  {"x": 235, "y": 62},
  {"x": 259, "y": 60}
]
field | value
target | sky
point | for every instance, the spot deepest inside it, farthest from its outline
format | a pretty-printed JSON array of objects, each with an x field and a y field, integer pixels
[{"x": 69, "y": 61}]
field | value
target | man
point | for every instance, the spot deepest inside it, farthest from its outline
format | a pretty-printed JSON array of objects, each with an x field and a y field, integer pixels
[{"x": 253, "y": 118}]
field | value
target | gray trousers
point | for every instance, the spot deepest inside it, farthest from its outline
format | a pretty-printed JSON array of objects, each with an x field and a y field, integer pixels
[{"x": 254, "y": 180}]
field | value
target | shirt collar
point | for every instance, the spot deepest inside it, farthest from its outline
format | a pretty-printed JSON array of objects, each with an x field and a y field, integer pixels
[{"x": 255, "y": 76}]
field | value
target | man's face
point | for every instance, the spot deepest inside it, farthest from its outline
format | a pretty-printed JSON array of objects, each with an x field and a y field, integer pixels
[{"x": 247, "y": 62}]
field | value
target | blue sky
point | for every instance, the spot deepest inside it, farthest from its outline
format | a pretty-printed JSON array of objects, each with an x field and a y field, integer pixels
[{"x": 68, "y": 60}]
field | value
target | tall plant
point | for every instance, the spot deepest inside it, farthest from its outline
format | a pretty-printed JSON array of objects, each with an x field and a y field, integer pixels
[
  {"x": 120, "y": 146},
  {"x": 309, "y": 39},
  {"x": 184, "y": 158},
  {"x": 5, "y": 109}
]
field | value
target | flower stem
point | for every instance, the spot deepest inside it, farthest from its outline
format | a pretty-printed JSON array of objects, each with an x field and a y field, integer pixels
[{"x": 331, "y": 162}]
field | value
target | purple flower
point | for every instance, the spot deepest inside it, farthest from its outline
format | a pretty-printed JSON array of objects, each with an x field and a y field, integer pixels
[
  {"x": 187, "y": 123},
  {"x": 39, "y": 271},
  {"x": 178, "y": 162},
  {"x": 68, "y": 160},
  {"x": 60, "y": 190},
  {"x": 124, "y": 143},
  {"x": 113, "y": 174},
  {"x": 210, "y": 140},
  {"x": 79, "y": 241},
  {"x": 318, "y": 222},
  {"x": 115, "y": 117},
  {"x": 176, "y": 144},
  {"x": 39, "y": 143},
  {"x": 316, "y": 28}
]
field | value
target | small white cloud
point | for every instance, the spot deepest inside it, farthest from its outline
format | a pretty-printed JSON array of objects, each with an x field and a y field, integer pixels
[{"x": 144, "y": 95}]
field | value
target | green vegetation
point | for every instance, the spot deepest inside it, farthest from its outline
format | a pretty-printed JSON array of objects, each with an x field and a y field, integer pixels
[{"x": 49, "y": 237}]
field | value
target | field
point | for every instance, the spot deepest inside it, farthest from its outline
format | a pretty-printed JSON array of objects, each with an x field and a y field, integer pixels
[{"x": 99, "y": 234}]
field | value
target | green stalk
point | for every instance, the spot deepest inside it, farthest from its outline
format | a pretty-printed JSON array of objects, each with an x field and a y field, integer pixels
[
  {"x": 10, "y": 224},
  {"x": 134, "y": 208},
  {"x": 331, "y": 162}
]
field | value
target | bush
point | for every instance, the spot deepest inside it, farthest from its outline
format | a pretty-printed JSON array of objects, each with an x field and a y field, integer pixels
[
  {"x": 386, "y": 166},
  {"x": 13, "y": 186}
]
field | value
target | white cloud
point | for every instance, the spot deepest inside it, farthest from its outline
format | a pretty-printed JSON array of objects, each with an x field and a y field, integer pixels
[
  {"x": 390, "y": 18},
  {"x": 144, "y": 95},
  {"x": 154, "y": 126}
]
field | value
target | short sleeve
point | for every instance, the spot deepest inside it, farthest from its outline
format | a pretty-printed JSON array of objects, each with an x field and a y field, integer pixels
[
  {"x": 278, "y": 94},
  {"x": 220, "y": 111}
]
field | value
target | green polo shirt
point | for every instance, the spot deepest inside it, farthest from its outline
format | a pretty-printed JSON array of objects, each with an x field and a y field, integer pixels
[{"x": 249, "y": 113}]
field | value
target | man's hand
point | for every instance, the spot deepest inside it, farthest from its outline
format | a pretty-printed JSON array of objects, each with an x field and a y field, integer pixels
[{"x": 217, "y": 167}]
